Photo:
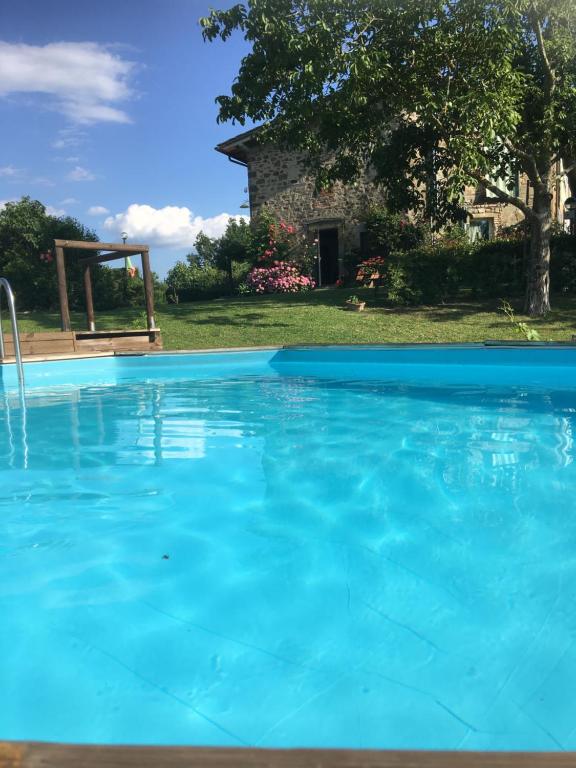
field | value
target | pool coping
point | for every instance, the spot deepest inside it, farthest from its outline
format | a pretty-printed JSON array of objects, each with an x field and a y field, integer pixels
[
  {"x": 486, "y": 344},
  {"x": 23, "y": 754}
]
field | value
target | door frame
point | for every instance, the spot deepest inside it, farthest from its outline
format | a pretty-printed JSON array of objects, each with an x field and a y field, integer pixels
[{"x": 314, "y": 227}]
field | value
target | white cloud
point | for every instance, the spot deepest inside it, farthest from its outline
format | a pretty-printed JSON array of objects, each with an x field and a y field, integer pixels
[
  {"x": 69, "y": 201},
  {"x": 51, "y": 211},
  {"x": 69, "y": 137},
  {"x": 97, "y": 210},
  {"x": 80, "y": 174},
  {"x": 169, "y": 227},
  {"x": 84, "y": 81},
  {"x": 8, "y": 171}
]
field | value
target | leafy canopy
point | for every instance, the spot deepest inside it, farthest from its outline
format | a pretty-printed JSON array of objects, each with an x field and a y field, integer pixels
[
  {"x": 460, "y": 90},
  {"x": 27, "y": 235}
]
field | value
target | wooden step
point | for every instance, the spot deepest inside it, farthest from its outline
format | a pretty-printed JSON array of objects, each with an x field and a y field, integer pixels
[
  {"x": 42, "y": 343},
  {"x": 48, "y": 343}
]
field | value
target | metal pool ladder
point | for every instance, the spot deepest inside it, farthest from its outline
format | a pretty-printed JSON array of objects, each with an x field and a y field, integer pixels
[{"x": 15, "y": 335}]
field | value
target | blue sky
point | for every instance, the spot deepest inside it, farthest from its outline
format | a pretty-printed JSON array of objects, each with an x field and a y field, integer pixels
[{"x": 108, "y": 107}]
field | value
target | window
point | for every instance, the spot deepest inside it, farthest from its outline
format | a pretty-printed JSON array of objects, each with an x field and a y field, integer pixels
[
  {"x": 480, "y": 229},
  {"x": 501, "y": 184}
]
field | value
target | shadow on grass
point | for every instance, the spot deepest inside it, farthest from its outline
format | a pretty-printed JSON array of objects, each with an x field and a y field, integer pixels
[
  {"x": 242, "y": 320},
  {"x": 457, "y": 311},
  {"x": 262, "y": 310}
]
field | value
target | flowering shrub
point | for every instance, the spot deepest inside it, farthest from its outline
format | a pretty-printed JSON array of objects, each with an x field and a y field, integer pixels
[
  {"x": 279, "y": 277},
  {"x": 371, "y": 269},
  {"x": 279, "y": 241}
]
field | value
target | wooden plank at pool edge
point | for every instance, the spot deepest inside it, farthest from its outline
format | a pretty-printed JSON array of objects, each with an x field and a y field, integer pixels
[{"x": 41, "y": 755}]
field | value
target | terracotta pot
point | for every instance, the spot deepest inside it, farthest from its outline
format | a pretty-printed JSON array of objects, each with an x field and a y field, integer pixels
[{"x": 355, "y": 307}]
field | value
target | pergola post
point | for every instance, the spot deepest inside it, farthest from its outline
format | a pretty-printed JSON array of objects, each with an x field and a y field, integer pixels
[
  {"x": 148, "y": 288},
  {"x": 62, "y": 291},
  {"x": 95, "y": 253},
  {"x": 89, "y": 299}
]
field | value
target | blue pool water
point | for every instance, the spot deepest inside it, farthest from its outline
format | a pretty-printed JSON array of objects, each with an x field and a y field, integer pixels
[{"x": 330, "y": 548}]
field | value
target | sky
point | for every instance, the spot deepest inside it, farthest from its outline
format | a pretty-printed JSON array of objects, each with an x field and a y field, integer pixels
[{"x": 108, "y": 114}]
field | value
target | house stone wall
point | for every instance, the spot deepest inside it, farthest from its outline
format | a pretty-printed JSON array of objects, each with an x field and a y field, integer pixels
[
  {"x": 479, "y": 206},
  {"x": 279, "y": 180}
]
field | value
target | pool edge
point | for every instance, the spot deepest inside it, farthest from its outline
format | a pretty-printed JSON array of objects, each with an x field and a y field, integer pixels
[{"x": 25, "y": 754}]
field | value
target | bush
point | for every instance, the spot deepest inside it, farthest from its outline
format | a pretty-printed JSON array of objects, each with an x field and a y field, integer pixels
[
  {"x": 390, "y": 232},
  {"x": 192, "y": 282},
  {"x": 199, "y": 283},
  {"x": 425, "y": 276},
  {"x": 563, "y": 264},
  {"x": 432, "y": 274},
  {"x": 279, "y": 277}
]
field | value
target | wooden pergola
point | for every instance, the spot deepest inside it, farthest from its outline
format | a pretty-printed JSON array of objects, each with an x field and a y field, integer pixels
[
  {"x": 112, "y": 252},
  {"x": 68, "y": 341}
]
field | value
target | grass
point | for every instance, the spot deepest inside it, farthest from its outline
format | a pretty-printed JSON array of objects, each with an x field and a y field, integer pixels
[{"x": 319, "y": 318}]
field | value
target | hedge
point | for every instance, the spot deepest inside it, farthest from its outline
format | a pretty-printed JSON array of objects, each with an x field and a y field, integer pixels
[
  {"x": 432, "y": 274},
  {"x": 205, "y": 283}
]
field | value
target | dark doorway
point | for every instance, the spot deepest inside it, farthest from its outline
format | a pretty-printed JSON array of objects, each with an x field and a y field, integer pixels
[{"x": 328, "y": 271}]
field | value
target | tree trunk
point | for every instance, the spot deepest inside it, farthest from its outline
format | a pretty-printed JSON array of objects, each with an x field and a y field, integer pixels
[{"x": 538, "y": 286}]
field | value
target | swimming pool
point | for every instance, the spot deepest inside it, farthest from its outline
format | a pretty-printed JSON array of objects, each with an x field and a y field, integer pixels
[{"x": 331, "y": 547}]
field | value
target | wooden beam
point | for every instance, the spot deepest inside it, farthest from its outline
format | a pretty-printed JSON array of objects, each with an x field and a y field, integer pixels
[
  {"x": 33, "y": 755},
  {"x": 62, "y": 289},
  {"x": 84, "y": 245},
  {"x": 105, "y": 257},
  {"x": 148, "y": 288},
  {"x": 89, "y": 300}
]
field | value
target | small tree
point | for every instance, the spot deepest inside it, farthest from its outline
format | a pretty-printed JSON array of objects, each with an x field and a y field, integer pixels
[
  {"x": 27, "y": 236},
  {"x": 235, "y": 245},
  {"x": 206, "y": 251},
  {"x": 434, "y": 95}
]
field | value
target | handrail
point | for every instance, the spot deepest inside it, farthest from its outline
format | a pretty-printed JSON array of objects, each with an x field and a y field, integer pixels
[{"x": 15, "y": 335}]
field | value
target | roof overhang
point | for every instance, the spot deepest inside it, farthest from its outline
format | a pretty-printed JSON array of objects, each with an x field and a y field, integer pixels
[{"x": 236, "y": 147}]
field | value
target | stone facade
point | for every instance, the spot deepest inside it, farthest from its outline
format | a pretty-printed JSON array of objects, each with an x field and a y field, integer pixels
[
  {"x": 278, "y": 180},
  {"x": 499, "y": 215}
]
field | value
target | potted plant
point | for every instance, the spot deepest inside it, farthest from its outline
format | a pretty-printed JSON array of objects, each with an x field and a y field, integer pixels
[{"x": 354, "y": 304}]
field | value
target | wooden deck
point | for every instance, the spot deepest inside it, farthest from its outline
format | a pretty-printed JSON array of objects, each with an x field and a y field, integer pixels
[
  {"x": 123, "y": 340},
  {"x": 39, "y": 755},
  {"x": 57, "y": 343}
]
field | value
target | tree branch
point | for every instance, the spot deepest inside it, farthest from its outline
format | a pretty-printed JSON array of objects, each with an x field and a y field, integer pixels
[
  {"x": 504, "y": 196},
  {"x": 566, "y": 171},
  {"x": 528, "y": 158},
  {"x": 548, "y": 71}
]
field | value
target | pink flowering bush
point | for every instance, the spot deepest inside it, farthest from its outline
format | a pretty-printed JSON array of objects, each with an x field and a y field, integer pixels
[
  {"x": 278, "y": 277},
  {"x": 280, "y": 241}
]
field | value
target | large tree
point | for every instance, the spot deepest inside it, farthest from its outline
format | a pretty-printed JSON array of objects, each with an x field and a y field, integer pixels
[
  {"x": 433, "y": 94},
  {"x": 27, "y": 236}
]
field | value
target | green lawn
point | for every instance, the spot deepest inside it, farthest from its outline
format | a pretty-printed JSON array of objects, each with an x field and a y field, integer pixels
[{"x": 319, "y": 317}]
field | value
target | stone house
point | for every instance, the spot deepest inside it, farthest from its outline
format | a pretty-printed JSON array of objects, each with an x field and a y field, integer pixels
[{"x": 278, "y": 180}]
